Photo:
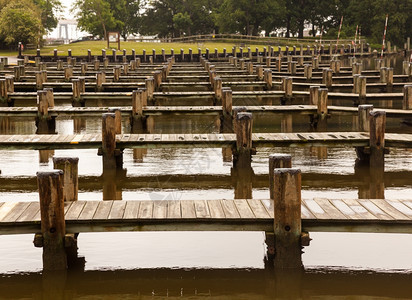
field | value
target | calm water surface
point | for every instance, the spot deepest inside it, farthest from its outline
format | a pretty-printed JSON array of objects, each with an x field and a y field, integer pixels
[{"x": 218, "y": 265}]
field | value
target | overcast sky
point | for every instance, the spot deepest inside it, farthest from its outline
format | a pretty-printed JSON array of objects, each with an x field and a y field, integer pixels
[{"x": 66, "y": 11}]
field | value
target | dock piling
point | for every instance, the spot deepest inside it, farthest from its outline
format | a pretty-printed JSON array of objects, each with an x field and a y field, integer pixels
[{"x": 53, "y": 227}]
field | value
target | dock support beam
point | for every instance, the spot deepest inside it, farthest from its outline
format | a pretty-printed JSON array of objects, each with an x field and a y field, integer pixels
[
  {"x": 138, "y": 120},
  {"x": 226, "y": 122},
  {"x": 45, "y": 123},
  {"x": 112, "y": 157},
  {"x": 53, "y": 227},
  {"x": 243, "y": 154},
  {"x": 287, "y": 221}
]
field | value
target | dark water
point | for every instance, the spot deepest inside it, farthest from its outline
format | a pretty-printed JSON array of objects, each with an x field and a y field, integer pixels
[{"x": 217, "y": 265}]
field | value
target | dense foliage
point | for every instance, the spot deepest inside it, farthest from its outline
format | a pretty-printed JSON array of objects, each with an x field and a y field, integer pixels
[{"x": 27, "y": 20}]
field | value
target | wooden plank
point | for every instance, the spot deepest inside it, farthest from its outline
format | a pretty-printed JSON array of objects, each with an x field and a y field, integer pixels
[
  {"x": 173, "y": 209},
  {"x": 160, "y": 209},
  {"x": 361, "y": 212},
  {"x": 6, "y": 208},
  {"x": 344, "y": 209},
  {"x": 268, "y": 205},
  {"x": 67, "y": 205},
  {"x": 145, "y": 210},
  {"x": 401, "y": 207},
  {"x": 75, "y": 210},
  {"x": 201, "y": 209},
  {"x": 375, "y": 210},
  {"x": 258, "y": 209},
  {"x": 332, "y": 211},
  {"x": 30, "y": 212},
  {"x": 229, "y": 209},
  {"x": 89, "y": 210},
  {"x": 215, "y": 209},
  {"x": 243, "y": 208},
  {"x": 132, "y": 210},
  {"x": 315, "y": 209},
  {"x": 117, "y": 210},
  {"x": 16, "y": 212},
  {"x": 389, "y": 209},
  {"x": 305, "y": 213},
  {"x": 188, "y": 209},
  {"x": 103, "y": 210}
]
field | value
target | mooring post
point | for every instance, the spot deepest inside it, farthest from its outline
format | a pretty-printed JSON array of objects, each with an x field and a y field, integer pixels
[
  {"x": 44, "y": 122},
  {"x": 217, "y": 86},
  {"x": 327, "y": 77},
  {"x": 114, "y": 55},
  {"x": 323, "y": 103},
  {"x": 364, "y": 111},
  {"x": 149, "y": 82},
  {"x": 69, "y": 166},
  {"x": 226, "y": 124},
  {"x": 287, "y": 218},
  {"x": 407, "y": 96},
  {"x": 39, "y": 80},
  {"x": 116, "y": 73},
  {"x": 362, "y": 89},
  {"x": 243, "y": 154},
  {"x": 68, "y": 73},
  {"x": 138, "y": 119},
  {"x": 83, "y": 68},
  {"x": 277, "y": 161},
  {"x": 59, "y": 65},
  {"x": 3, "y": 92},
  {"x": 157, "y": 76},
  {"x": 125, "y": 67},
  {"x": 377, "y": 140},
  {"x": 389, "y": 79},
  {"x": 268, "y": 78},
  {"x": 287, "y": 85},
  {"x": 259, "y": 72},
  {"x": 308, "y": 72},
  {"x": 313, "y": 94},
  {"x": 53, "y": 227},
  {"x": 100, "y": 79},
  {"x": 109, "y": 141}
]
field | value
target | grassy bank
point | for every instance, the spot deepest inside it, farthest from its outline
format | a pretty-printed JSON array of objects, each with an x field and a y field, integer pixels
[{"x": 97, "y": 46}]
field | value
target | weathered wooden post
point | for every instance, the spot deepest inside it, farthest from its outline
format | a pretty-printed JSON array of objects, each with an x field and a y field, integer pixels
[
  {"x": 106, "y": 62},
  {"x": 68, "y": 73},
  {"x": 323, "y": 103},
  {"x": 190, "y": 54},
  {"x": 389, "y": 80},
  {"x": 109, "y": 142},
  {"x": 315, "y": 63},
  {"x": 157, "y": 76},
  {"x": 149, "y": 82},
  {"x": 277, "y": 161},
  {"x": 407, "y": 96},
  {"x": 53, "y": 227},
  {"x": 242, "y": 155},
  {"x": 249, "y": 68},
  {"x": 259, "y": 72},
  {"x": 44, "y": 122},
  {"x": 217, "y": 86},
  {"x": 268, "y": 78},
  {"x": 114, "y": 56},
  {"x": 362, "y": 89},
  {"x": 287, "y": 218},
  {"x": 313, "y": 94},
  {"x": 59, "y": 65},
  {"x": 383, "y": 74},
  {"x": 287, "y": 85},
  {"x": 69, "y": 166},
  {"x": 16, "y": 73},
  {"x": 144, "y": 55},
  {"x": 308, "y": 71},
  {"x": 327, "y": 77},
  {"x": 116, "y": 74},
  {"x": 227, "y": 115},
  {"x": 364, "y": 111},
  {"x": 377, "y": 123},
  {"x": 100, "y": 79},
  {"x": 83, "y": 69},
  {"x": 39, "y": 80},
  {"x": 138, "y": 102},
  {"x": 3, "y": 92}
]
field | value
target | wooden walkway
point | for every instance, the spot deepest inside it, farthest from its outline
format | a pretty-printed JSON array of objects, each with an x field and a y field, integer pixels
[
  {"x": 203, "y": 110},
  {"x": 325, "y": 215}
]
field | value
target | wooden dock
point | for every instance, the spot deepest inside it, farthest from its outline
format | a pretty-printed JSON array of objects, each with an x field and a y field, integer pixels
[{"x": 320, "y": 215}]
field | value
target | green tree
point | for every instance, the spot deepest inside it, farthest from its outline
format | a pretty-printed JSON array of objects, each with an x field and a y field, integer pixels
[
  {"x": 96, "y": 17},
  {"x": 49, "y": 10},
  {"x": 249, "y": 17},
  {"x": 20, "y": 22}
]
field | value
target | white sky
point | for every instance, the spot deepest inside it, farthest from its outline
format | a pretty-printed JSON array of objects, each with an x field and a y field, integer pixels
[{"x": 66, "y": 10}]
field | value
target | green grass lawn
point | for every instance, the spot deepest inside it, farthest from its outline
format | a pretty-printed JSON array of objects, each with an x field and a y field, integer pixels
[{"x": 97, "y": 46}]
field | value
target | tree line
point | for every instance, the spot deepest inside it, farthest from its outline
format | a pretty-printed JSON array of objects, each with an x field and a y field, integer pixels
[{"x": 176, "y": 18}]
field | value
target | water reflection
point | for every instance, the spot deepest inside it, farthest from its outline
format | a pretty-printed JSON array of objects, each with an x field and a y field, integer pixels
[{"x": 211, "y": 283}]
